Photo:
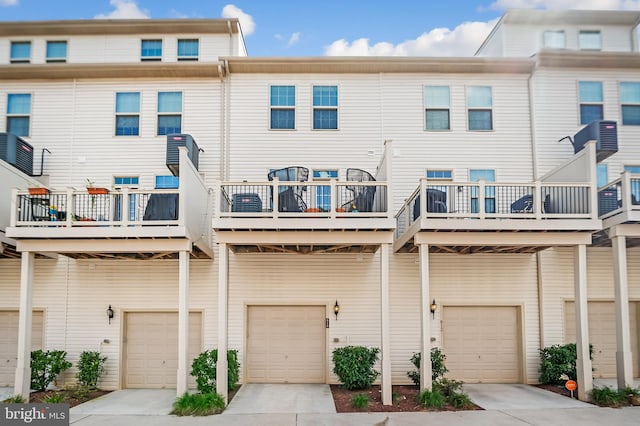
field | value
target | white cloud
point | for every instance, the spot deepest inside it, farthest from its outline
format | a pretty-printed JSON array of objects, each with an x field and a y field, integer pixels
[
  {"x": 8, "y": 2},
  {"x": 463, "y": 40},
  {"x": 567, "y": 4},
  {"x": 293, "y": 39},
  {"x": 124, "y": 9},
  {"x": 246, "y": 20}
]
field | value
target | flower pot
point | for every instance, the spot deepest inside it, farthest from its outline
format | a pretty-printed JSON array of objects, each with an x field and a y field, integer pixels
[
  {"x": 341, "y": 210},
  {"x": 96, "y": 190},
  {"x": 38, "y": 191},
  {"x": 313, "y": 210}
]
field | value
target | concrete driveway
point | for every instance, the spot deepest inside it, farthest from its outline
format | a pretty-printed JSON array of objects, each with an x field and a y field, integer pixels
[
  {"x": 280, "y": 398},
  {"x": 5, "y": 393},
  {"x": 518, "y": 397}
]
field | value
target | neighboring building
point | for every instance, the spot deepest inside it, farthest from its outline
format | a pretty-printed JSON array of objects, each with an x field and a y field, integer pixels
[{"x": 471, "y": 202}]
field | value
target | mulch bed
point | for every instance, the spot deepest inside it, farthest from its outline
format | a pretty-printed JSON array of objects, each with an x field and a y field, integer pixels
[
  {"x": 559, "y": 389},
  {"x": 69, "y": 397},
  {"x": 404, "y": 399}
]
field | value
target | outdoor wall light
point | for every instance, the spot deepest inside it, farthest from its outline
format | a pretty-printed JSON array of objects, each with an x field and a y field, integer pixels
[
  {"x": 110, "y": 313},
  {"x": 433, "y": 308},
  {"x": 336, "y": 309}
]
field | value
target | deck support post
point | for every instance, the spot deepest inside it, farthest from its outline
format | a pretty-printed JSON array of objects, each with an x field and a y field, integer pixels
[
  {"x": 384, "y": 326},
  {"x": 425, "y": 321},
  {"x": 22, "y": 384},
  {"x": 223, "y": 287},
  {"x": 624, "y": 363},
  {"x": 583, "y": 363},
  {"x": 183, "y": 323}
]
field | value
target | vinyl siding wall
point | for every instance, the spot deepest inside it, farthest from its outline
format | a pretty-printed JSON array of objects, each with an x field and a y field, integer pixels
[
  {"x": 557, "y": 114},
  {"x": 75, "y": 120},
  {"x": 119, "y": 48}
]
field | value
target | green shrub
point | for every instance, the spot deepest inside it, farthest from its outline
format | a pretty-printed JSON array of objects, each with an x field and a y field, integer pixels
[
  {"x": 431, "y": 399},
  {"x": 16, "y": 399},
  {"x": 354, "y": 366},
  {"x": 557, "y": 361},
  {"x": 56, "y": 398},
  {"x": 78, "y": 391},
  {"x": 438, "y": 369},
  {"x": 460, "y": 400},
  {"x": 360, "y": 401},
  {"x": 45, "y": 366},
  {"x": 90, "y": 368},
  {"x": 199, "y": 404},
  {"x": 203, "y": 369},
  {"x": 607, "y": 397},
  {"x": 448, "y": 387}
]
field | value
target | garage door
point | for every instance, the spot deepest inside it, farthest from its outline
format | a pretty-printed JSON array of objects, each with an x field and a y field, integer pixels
[
  {"x": 286, "y": 344},
  {"x": 602, "y": 335},
  {"x": 482, "y": 343},
  {"x": 9, "y": 342},
  {"x": 151, "y": 348}
]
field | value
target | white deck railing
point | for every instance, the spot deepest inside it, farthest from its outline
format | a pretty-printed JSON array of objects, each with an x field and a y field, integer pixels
[
  {"x": 493, "y": 200},
  {"x": 620, "y": 197}
]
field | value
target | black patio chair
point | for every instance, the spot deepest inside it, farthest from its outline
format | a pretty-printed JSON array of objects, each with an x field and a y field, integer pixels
[
  {"x": 363, "y": 196},
  {"x": 290, "y": 197}
]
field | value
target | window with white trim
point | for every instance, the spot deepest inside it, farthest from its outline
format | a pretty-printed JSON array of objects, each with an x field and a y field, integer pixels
[
  {"x": 591, "y": 99},
  {"x": 480, "y": 108},
  {"x": 18, "y": 113},
  {"x": 283, "y": 107},
  {"x": 56, "y": 51},
  {"x": 20, "y": 52},
  {"x": 630, "y": 103},
  {"x": 325, "y": 107},
  {"x": 488, "y": 175},
  {"x": 589, "y": 40},
  {"x": 127, "y": 114},
  {"x": 188, "y": 49},
  {"x": 323, "y": 193},
  {"x": 554, "y": 39},
  {"x": 437, "y": 103},
  {"x": 151, "y": 50},
  {"x": 169, "y": 113}
]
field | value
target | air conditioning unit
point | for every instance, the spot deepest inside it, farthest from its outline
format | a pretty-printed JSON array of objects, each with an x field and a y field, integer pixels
[
  {"x": 17, "y": 152},
  {"x": 173, "y": 156},
  {"x": 607, "y": 201},
  {"x": 605, "y": 133}
]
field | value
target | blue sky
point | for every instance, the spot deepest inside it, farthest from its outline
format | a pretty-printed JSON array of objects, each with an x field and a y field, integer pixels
[{"x": 329, "y": 27}]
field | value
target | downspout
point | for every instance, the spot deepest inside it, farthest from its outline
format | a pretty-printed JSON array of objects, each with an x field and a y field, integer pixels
[
  {"x": 227, "y": 119},
  {"x": 231, "y": 53},
  {"x": 534, "y": 174},
  {"x": 222, "y": 122}
]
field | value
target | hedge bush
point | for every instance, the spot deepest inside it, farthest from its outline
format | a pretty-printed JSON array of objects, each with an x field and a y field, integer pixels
[
  {"x": 90, "y": 368},
  {"x": 558, "y": 363},
  {"x": 203, "y": 369},
  {"x": 438, "y": 369},
  {"x": 45, "y": 367},
  {"x": 354, "y": 366}
]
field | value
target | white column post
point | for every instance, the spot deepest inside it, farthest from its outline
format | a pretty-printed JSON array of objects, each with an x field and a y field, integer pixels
[
  {"x": 624, "y": 365},
  {"x": 223, "y": 284},
  {"x": 183, "y": 323},
  {"x": 583, "y": 364},
  {"x": 384, "y": 326},
  {"x": 425, "y": 321},
  {"x": 23, "y": 367}
]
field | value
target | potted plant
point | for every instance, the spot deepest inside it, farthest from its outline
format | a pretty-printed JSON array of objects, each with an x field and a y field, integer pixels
[
  {"x": 38, "y": 191},
  {"x": 95, "y": 190}
]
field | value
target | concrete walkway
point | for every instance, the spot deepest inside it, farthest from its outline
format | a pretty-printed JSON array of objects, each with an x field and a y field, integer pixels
[
  {"x": 518, "y": 397},
  {"x": 272, "y": 398},
  {"x": 5, "y": 393}
]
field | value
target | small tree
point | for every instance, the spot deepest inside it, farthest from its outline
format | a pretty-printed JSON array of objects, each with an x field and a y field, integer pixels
[
  {"x": 438, "y": 369},
  {"x": 203, "y": 369},
  {"x": 354, "y": 366},
  {"x": 45, "y": 366},
  {"x": 90, "y": 367},
  {"x": 557, "y": 361}
]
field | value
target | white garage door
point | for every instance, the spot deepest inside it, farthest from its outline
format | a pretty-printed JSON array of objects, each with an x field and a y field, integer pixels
[
  {"x": 9, "y": 342},
  {"x": 151, "y": 348},
  {"x": 602, "y": 335},
  {"x": 482, "y": 343},
  {"x": 286, "y": 344}
]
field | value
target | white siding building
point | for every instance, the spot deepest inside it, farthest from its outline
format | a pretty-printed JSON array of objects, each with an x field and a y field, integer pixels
[{"x": 469, "y": 202}]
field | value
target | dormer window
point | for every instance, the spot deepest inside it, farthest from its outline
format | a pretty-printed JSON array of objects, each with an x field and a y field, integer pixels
[
  {"x": 554, "y": 40},
  {"x": 589, "y": 40}
]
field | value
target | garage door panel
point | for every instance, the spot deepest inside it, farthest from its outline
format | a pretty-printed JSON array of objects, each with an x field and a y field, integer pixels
[
  {"x": 151, "y": 348},
  {"x": 602, "y": 335},
  {"x": 9, "y": 321},
  {"x": 482, "y": 343},
  {"x": 286, "y": 344}
]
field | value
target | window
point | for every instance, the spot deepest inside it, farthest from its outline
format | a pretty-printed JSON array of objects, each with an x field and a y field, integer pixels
[
  {"x": 603, "y": 174},
  {"x": 554, "y": 39},
  {"x": 630, "y": 102},
  {"x": 325, "y": 107},
  {"x": 128, "y": 114},
  {"x": 589, "y": 40},
  {"x": 167, "y": 182},
  {"x": 323, "y": 193},
  {"x": 18, "y": 113},
  {"x": 283, "y": 102},
  {"x": 20, "y": 52},
  {"x": 188, "y": 50},
  {"x": 635, "y": 183},
  {"x": 169, "y": 113},
  {"x": 151, "y": 50},
  {"x": 436, "y": 102},
  {"x": 487, "y": 175},
  {"x": 479, "y": 104},
  {"x": 590, "y": 96},
  {"x": 439, "y": 174},
  {"x": 128, "y": 181},
  {"x": 56, "y": 51}
]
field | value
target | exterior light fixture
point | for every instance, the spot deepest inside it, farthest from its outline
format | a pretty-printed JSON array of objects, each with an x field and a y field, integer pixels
[
  {"x": 336, "y": 309},
  {"x": 110, "y": 313},
  {"x": 433, "y": 308}
]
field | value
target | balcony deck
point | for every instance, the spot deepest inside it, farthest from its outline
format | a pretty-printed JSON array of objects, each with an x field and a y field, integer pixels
[
  {"x": 304, "y": 217},
  {"x": 491, "y": 210},
  {"x": 619, "y": 209}
]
